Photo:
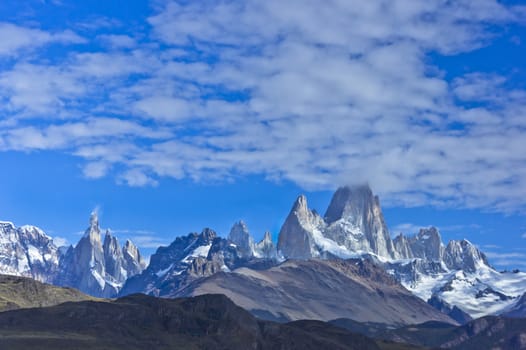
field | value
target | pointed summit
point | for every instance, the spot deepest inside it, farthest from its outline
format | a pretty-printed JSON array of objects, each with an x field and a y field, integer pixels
[
  {"x": 357, "y": 207},
  {"x": 240, "y": 236},
  {"x": 266, "y": 248},
  {"x": 296, "y": 235},
  {"x": 94, "y": 219},
  {"x": 463, "y": 255},
  {"x": 300, "y": 204},
  {"x": 93, "y": 231},
  {"x": 95, "y": 267}
]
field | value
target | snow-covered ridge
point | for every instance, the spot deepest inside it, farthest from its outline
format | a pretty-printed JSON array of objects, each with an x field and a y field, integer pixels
[{"x": 27, "y": 251}]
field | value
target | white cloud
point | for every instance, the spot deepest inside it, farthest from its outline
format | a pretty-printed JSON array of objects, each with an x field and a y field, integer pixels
[
  {"x": 507, "y": 259},
  {"x": 137, "y": 178},
  {"x": 320, "y": 95},
  {"x": 118, "y": 41},
  {"x": 60, "y": 241},
  {"x": 16, "y": 38}
]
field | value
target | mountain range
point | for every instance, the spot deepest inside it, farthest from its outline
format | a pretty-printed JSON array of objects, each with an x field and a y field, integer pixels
[
  {"x": 94, "y": 266},
  {"x": 344, "y": 264}
]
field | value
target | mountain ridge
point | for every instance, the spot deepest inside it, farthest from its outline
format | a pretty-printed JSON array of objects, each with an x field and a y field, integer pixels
[{"x": 454, "y": 276}]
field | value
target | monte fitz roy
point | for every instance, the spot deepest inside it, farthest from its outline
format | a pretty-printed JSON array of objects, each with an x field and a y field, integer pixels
[{"x": 342, "y": 265}]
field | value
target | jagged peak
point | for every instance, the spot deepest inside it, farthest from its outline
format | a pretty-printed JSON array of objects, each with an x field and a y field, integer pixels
[
  {"x": 463, "y": 243},
  {"x": 347, "y": 199},
  {"x": 93, "y": 231},
  {"x": 34, "y": 230},
  {"x": 8, "y": 224},
  {"x": 208, "y": 234},
  {"x": 429, "y": 232},
  {"x": 240, "y": 223},
  {"x": 267, "y": 237},
  {"x": 300, "y": 204},
  {"x": 239, "y": 226},
  {"x": 129, "y": 245},
  {"x": 110, "y": 239},
  {"x": 94, "y": 219}
]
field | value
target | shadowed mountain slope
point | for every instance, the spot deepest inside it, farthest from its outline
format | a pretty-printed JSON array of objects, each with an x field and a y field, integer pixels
[
  {"x": 143, "y": 322},
  {"x": 21, "y": 292}
]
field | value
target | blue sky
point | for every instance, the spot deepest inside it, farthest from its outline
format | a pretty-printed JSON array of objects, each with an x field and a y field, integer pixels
[{"x": 170, "y": 116}]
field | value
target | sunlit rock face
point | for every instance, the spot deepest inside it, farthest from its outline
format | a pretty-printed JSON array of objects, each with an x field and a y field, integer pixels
[{"x": 97, "y": 268}]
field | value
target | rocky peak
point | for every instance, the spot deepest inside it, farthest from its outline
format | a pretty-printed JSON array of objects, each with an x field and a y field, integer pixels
[
  {"x": 131, "y": 250},
  {"x": 296, "y": 238},
  {"x": 93, "y": 231},
  {"x": 96, "y": 268},
  {"x": 33, "y": 233},
  {"x": 463, "y": 255},
  {"x": 207, "y": 235},
  {"x": 350, "y": 202},
  {"x": 113, "y": 258},
  {"x": 133, "y": 261},
  {"x": 266, "y": 248},
  {"x": 240, "y": 236},
  {"x": 359, "y": 208},
  {"x": 300, "y": 205},
  {"x": 428, "y": 245},
  {"x": 27, "y": 251}
]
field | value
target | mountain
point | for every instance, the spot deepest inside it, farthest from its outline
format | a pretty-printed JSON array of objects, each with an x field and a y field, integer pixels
[
  {"x": 517, "y": 309},
  {"x": 22, "y": 292},
  {"x": 142, "y": 322},
  {"x": 457, "y": 274},
  {"x": 27, "y": 251},
  {"x": 170, "y": 266},
  {"x": 240, "y": 236},
  {"x": 455, "y": 278},
  {"x": 461, "y": 281},
  {"x": 97, "y": 268},
  {"x": 354, "y": 213},
  {"x": 199, "y": 255},
  {"x": 489, "y": 332},
  {"x": 317, "y": 289}
]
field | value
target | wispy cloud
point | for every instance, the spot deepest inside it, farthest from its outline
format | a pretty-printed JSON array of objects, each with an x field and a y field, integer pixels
[
  {"x": 317, "y": 95},
  {"x": 16, "y": 38},
  {"x": 60, "y": 241},
  {"x": 412, "y": 228},
  {"x": 509, "y": 260}
]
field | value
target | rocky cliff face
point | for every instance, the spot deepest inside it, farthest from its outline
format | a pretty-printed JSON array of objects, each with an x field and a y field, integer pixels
[
  {"x": 358, "y": 209},
  {"x": 27, "y": 251},
  {"x": 299, "y": 234},
  {"x": 353, "y": 225},
  {"x": 265, "y": 249},
  {"x": 200, "y": 255},
  {"x": 170, "y": 266},
  {"x": 240, "y": 236},
  {"x": 463, "y": 255},
  {"x": 96, "y": 268}
]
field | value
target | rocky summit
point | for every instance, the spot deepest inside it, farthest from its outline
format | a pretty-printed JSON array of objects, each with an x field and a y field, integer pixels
[
  {"x": 28, "y": 251},
  {"x": 96, "y": 267}
]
